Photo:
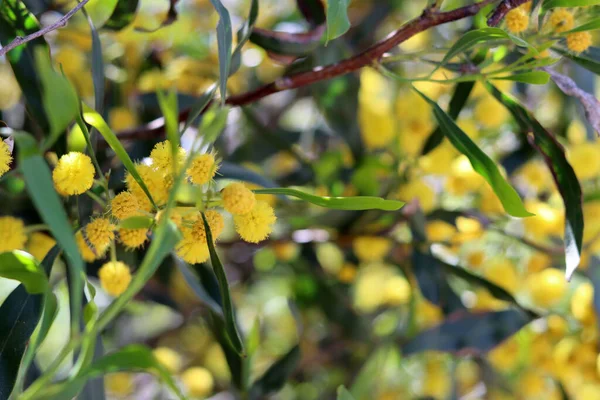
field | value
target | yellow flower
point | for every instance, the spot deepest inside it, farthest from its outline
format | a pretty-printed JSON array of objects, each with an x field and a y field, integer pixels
[
  {"x": 257, "y": 224},
  {"x": 95, "y": 238},
  {"x": 133, "y": 238},
  {"x": 475, "y": 259},
  {"x": 119, "y": 383},
  {"x": 74, "y": 174},
  {"x": 215, "y": 223},
  {"x": 193, "y": 247},
  {"x": 505, "y": 357},
  {"x": 578, "y": 42},
  {"x": 490, "y": 113},
  {"x": 114, "y": 277},
  {"x": 562, "y": 20},
  {"x": 536, "y": 175},
  {"x": 547, "y": 287},
  {"x": 203, "y": 169},
  {"x": 484, "y": 301},
  {"x": 517, "y": 20},
  {"x": 12, "y": 234},
  {"x": 162, "y": 156},
  {"x": 121, "y": 118},
  {"x": 427, "y": 314},
  {"x": 537, "y": 262},
  {"x": 503, "y": 273},
  {"x": 376, "y": 125},
  {"x": 347, "y": 273},
  {"x": 168, "y": 358},
  {"x": 5, "y": 157},
  {"x": 582, "y": 306},
  {"x": 533, "y": 385},
  {"x": 10, "y": 91},
  {"x": 371, "y": 248},
  {"x": 396, "y": 291},
  {"x": 237, "y": 198},
  {"x": 155, "y": 183},
  {"x": 124, "y": 205},
  {"x": 39, "y": 245},
  {"x": 419, "y": 190},
  {"x": 198, "y": 381},
  {"x": 440, "y": 231}
]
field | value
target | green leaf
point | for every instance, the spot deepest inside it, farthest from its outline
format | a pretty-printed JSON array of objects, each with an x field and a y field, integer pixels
[
  {"x": 532, "y": 77},
  {"x": 564, "y": 175},
  {"x": 548, "y": 4},
  {"x": 213, "y": 123},
  {"x": 59, "y": 96},
  {"x": 337, "y": 18},
  {"x": 23, "y": 267},
  {"x": 344, "y": 394},
  {"x": 284, "y": 43},
  {"x": 243, "y": 34},
  {"x": 588, "y": 26},
  {"x": 94, "y": 119},
  {"x": 230, "y": 323},
  {"x": 481, "y": 163},
  {"x": 194, "y": 283},
  {"x": 41, "y": 190},
  {"x": 224, "y": 40},
  {"x": 199, "y": 106},
  {"x": 338, "y": 203},
  {"x": 276, "y": 376},
  {"x": 168, "y": 107},
  {"x": 123, "y": 15},
  {"x": 590, "y": 59},
  {"x": 97, "y": 65},
  {"x": 16, "y": 20},
  {"x": 137, "y": 222}
]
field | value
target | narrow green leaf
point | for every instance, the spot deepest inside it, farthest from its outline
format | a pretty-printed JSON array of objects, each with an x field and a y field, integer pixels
[
  {"x": 337, "y": 18},
  {"x": 94, "y": 119},
  {"x": 199, "y": 106},
  {"x": 548, "y": 4},
  {"x": 532, "y": 77},
  {"x": 288, "y": 44},
  {"x": 59, "y": 96},
  {"x": 243, "y": 34},
  {"x": 41, "y": 190},
  {"x": 590, "y": 59},
  {"x": 123, "y": 15},
  {"x": 276, "y": 376},
  {"x": 338, "y": 203},
  {"x": 588, "y": 26},
  {"x": 194, "y": 283},
  {"x": 97, "y": 66},
  {"x": 224, "y": 40},
  {"x": 168, "y": 107},
  {"x": 344, "y": 394},
  {"x": 230, "y": 323},
  {"x": 23, "y": 267},
  {"x": 481, "y": 163},
  {"x": 564, "y": 175},
  {"x": 213, "y": 122},
  {"x": 137, "y": 222}
]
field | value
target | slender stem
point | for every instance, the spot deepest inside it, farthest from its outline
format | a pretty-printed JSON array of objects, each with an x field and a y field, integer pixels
[
  {"x": 36, "y": 228},
  {"x": 96, "y": 198}
]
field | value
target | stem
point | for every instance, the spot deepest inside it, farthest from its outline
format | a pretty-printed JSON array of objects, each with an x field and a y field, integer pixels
[
  {"x": 96, "y": 198},
  {"x": 36, "y": 228}
]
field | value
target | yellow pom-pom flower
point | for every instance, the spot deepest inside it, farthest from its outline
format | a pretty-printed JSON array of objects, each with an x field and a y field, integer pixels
[
  {"x": 84, "y": 248},
  {"x": 237, "y": 198},
  {"x": 490, "y": 114},
  {"x": 203, "y": 169},
  {"x": 12, "y": 234},
  {"x": 5, "y": 157},
  {"x": 39, "y": 244},
  {"x": 198, "y": 381},
  {"x": 133, "y": 238},
  {"x": 578, "y": 42},
  {"x": 168, "y": 358},
  {"x": 562, "y": 20},
  {"x": 517, "y": 20},
  {"x": 74, "y": 174},
  {"x": 162, "y": 156},
  {"x": 396, "y": 291},
  {"x": 547, "y": 287},
  {"x": 193, "y": 247},
  {"x": 371, "y": 248},
  {"x": 114, "y": 277},
  {"x": 257, "y": 224},
  {"x": 119, "y": 383},
  {"x": 95, "y": 239},
  {"x": 124, "y": 205},
  {"x": 155, "y": 182}
]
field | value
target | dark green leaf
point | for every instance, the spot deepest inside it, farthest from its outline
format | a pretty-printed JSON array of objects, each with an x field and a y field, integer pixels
[
  {"x": 224, "y": 40},
  {"x": 16, "y": 20},
  {"x": 548, "y": 4},
  {"x": 532, "y": 77},
  {"x": 284, "y": 43},
  {"x": 588, "y": 26},
  {"x": 477, "y": 332},
  {"x": 230, "y": 323},
  {"x": 97, "y": 66},
  {"x": 123, "y": 15},
  {"x": 337, "y": 18},
  {"x": 481, "y": 163},
  {"x": 194, "y": 283},
  {"x": 22, "y": 267},
  {"x": 564, "y": 175},
  {"x": 276, "y": 376},
  {"x": 590, "y": 59},
  {"x": 313, "y": 11},
  {"x": 338, "y": 203},
  {"x": 243, "y": 34}
]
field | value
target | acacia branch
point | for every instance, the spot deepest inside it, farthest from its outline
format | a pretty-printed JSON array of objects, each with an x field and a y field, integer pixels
[
  {"x": 428, "y": 19},
  {"x": 503, "y": 9}
]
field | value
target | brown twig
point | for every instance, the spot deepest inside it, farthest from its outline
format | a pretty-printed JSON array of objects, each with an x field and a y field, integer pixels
[
  {"x": 19, "y": 40},
  {"x": 427, "y": 20},
  {"x": 503, "y": 9}
]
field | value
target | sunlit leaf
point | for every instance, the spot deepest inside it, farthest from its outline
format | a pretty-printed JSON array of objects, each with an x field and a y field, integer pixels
[
  {"x": 123, "y": 15},
  {"x": 337, "y": 18}
]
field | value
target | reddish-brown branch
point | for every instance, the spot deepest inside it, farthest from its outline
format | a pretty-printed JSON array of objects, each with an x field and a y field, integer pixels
[
  {"x": 429, "y": 19},
  {"x": 503, "y": 9}
]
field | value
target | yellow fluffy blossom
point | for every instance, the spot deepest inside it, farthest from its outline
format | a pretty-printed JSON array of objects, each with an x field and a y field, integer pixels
[
  {"x": 74, "y": 174},
  {"x": 5, "y": 157},
  {"x": 114, "y": 277},
  {"x": 578, "y": 42},
  {"x": 162, "y": 156},
  {"x": 133, "y": 238},
  {"x": 168, "y": 358},
  {"x": 39, "y": 244},
  {"x": 376, "y": 126},
  {"x": 490, "y": 113},
  {"x": 203, "y": 169},
  {"x": 347, "y": 273},
  {"x": 440, "y": 231},
  {"x": 582, "y": 306},
  {"x": 237, "y": 198},
  {"x": 119, "y": 383},
  {"x": 198, "y": 381},
  {"x": 517, "y": 20},
  {"x": 371, "y": 248},
  {"x": 124, "y": 205},
  {"x": 396, "y": 291},
  {"x": 257, "y": 224},
  {"x": 537, "y": 262},
  {"x": 12, "y": 234},
  {"x": 10, "y": 91},
  {"x": 547, "y": 287},
  {"x": 94, "y": 239},
  {"x": 419, "y": 190},
  {"x": 193, "y": 247},
  {"x": 503, "y": 273},
  {"x": 215, "y": 223},
  {"x": 562, "y": 20},
  {"x": 154, "y": 181},
  {"x": 121, "y": 118}
]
